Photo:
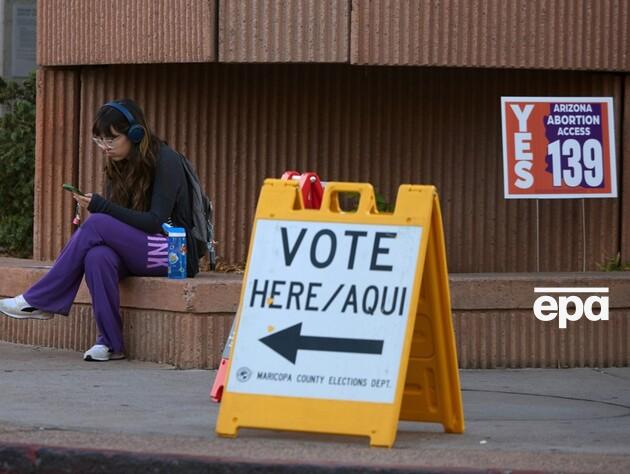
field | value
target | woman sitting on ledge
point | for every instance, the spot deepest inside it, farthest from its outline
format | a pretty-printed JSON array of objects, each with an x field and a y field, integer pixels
[{"x": 146, "y": 187}]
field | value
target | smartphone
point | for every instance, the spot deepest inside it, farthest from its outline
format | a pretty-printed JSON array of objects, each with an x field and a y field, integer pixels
[{"x": 72, "y": 189}]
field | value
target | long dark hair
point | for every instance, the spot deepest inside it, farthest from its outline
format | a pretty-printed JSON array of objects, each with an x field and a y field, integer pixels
[{"x": 129, "y": 180}]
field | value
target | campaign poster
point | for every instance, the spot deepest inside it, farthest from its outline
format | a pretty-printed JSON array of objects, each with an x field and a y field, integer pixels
[{"x": 558, "y": 147}]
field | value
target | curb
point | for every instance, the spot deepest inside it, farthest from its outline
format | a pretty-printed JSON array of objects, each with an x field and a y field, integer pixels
[{"x": 29, "y": 458}]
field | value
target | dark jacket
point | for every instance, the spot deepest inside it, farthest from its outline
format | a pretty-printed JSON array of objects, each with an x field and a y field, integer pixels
[{"x": 170, "y": 202}]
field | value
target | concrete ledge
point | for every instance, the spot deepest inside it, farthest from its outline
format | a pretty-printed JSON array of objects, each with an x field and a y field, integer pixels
[
  {"x": 186, "y": 323},
  {"x": 495, "y": 325},
  {"x": 492, "y": 291},
  {"x": 206, "y": 293}
]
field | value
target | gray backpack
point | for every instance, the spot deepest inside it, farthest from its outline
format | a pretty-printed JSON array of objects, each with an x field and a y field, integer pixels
[{"x": 203, "y": 229}]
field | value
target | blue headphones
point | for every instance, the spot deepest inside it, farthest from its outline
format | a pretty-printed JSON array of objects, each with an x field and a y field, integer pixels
[{"x": 136, "y": 132}]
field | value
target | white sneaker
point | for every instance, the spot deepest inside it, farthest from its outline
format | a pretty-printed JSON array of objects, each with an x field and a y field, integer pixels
[
  {"x": 19, "y": 308},
  {"x": 101, "y": 353}
]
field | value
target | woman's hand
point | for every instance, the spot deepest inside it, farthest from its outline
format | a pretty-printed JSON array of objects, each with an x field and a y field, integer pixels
[{"x": 83, "y": 201}]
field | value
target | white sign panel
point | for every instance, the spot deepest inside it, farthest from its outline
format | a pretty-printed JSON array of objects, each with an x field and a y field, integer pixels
[{"x": 324, "y": 312}]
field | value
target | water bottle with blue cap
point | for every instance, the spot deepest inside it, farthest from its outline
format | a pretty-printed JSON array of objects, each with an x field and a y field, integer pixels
[{"x": 176, "y": 251}]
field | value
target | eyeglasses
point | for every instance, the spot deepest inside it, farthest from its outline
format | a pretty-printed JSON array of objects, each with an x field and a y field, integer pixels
[{"x": 106, "y": 143}]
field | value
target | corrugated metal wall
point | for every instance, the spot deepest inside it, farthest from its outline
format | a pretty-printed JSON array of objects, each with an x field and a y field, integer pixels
[
  {"x": 125, "y": 31},
  {"x": 242, "y": 123},
  {"x": 56, "y": 149},
  {"x": 280, "y": 31},
  {"x": 557, "y": 34}
]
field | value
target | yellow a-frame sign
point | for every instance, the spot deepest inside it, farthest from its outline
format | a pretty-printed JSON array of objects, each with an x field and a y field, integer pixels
[{"x": 344, "y": 324}]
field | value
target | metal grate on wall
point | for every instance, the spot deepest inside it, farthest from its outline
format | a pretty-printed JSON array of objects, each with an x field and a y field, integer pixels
[
  {"x": 240, "y": 124},
  {"x": 57, "y": 154}
]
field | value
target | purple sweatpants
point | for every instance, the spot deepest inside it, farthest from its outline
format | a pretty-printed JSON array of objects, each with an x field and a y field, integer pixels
[{"x": 106, "y": 250}]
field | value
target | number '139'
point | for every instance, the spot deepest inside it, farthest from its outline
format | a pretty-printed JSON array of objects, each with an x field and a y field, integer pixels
[{"x": 584, "y": 162}]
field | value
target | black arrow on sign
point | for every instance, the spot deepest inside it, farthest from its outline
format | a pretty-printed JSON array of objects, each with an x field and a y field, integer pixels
[{"x": 288, "y": 341}]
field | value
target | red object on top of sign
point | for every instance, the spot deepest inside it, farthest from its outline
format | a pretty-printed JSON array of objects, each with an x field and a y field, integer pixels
[
  {"x": 558, "y": 147},
  {"x": 312, "y": 190}
]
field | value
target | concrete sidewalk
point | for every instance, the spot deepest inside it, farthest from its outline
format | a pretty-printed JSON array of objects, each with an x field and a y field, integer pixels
[{"x": 56, "y": 410}]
